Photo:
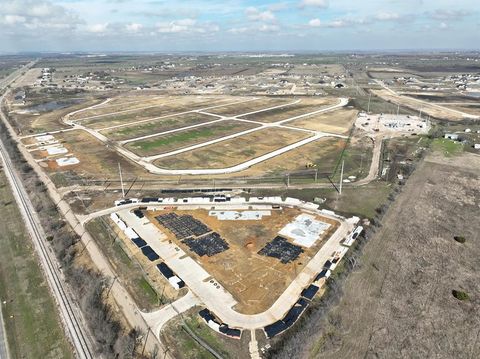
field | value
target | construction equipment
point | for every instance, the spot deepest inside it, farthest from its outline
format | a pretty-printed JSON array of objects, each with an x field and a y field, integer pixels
[{"x": 310, "y": 165}]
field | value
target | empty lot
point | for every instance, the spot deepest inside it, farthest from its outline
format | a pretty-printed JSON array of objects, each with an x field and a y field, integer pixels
[
  {"x": 173, "y": 141},
  {"x": 283, "y": 113},
  {"x": 154, "y": 126},
  {"x": 338, "y": 121},
  {"x": 232, "y": 152},
  {"x": 250, "y": 106}
]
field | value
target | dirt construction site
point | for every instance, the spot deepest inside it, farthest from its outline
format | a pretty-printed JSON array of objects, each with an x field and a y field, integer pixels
[{"x": 254, "y": 280}]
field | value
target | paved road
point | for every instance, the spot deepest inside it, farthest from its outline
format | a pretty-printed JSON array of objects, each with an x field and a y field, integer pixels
[
  {"x": 159, "y": 318},
  {"x": 4, "y": 352},
  {"x": 216, "y": 297},
  {"x": 146, "y": 162}
]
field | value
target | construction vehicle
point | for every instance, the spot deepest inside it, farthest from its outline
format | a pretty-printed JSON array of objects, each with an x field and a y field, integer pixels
[{"x": 310, "y": 165}]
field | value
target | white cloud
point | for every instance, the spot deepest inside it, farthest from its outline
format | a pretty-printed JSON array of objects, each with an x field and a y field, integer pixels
[
  {"x": 186, "y": 22},
  {"x": 239, "y": 30},
  {"x": 256, "y": 15},
  {"x": 442, "y": 14},
  {"x": 443, "y": 26},
  {"x": 315, "y": 23},
  {"x": 134, "y": 27},
  {"x": 386, "y": 16},
  {"x": 268, "y": 28},
  {"x": 12, "y": 19},
  {"x": 27, "y": 15},
  {"x": 314, "y": 3},
  {"x": 186, "y": 26},
  {"x": 254, "y": 29},
  {"x": 337, "y": 23},
  {"x": 278, "y": 6},
  {"x": 97, "y": 28}
]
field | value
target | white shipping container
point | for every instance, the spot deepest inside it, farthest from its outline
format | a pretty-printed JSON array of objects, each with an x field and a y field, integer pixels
[
  {"x": 121, "y": 224},
  {"x": 130, "y": 233}
]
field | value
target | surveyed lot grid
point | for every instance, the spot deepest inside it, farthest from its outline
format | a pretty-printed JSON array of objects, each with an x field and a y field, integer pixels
[{"x": 202, "y": 135}]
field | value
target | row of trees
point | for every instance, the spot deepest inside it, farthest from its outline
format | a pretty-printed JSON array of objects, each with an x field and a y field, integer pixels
[{"x": 89, "y": 286}]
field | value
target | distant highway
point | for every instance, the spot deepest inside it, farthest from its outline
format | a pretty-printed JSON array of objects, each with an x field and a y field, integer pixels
[{"x": 68, "y": 309}]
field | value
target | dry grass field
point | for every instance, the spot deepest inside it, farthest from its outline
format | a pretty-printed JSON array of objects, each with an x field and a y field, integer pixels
[
  {"x": 96, "y": 160},
  {"x": 324, "y": 153},
  {"x": 232, "y": 152},
  {"x": 165, "y": 106},
  {"x": 442, "y": 113},
  {"x": 472, "y": 109},
  {"x": 255, "y": 281},
  {"x": 100, "y": 159},
  {"x": 250, "y": 106},
  {"x": 338, "y": 121},
  {"x": 283, "y": 113},
  {"x": 399, "y": 303},
  {"x": 174, "y": 141},
  {"x": 154, "y": 126}
]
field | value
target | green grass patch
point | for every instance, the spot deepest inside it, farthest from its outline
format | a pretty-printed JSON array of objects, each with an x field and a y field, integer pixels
[
  {"x": 460, "y": 295},
  {"x": 186, "y": 136},
  {"x": 207, "y": 335},
  {"x": 129, "y": 272},
  {"x": 447, "y": 147},
  {"x": 148, "y": 289},
  {"x": 148, "y": 127},
  {"x": 32, "y": 324},
  {"x": 360, "y": 201}
]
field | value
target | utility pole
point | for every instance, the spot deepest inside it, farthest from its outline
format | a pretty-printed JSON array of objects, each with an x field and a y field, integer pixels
[
  {"x": 121, "y": 180},
  {"x": 341, "y": 177},
  {"x": 316, "y": 175},
  {"x": 398, "y": 110},
  {"x": 369, "y": 97}
]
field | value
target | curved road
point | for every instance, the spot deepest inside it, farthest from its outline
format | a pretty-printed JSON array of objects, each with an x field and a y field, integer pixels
[
  {"x": 221, "y": 302},
  {"x": 146, "y": 162}
]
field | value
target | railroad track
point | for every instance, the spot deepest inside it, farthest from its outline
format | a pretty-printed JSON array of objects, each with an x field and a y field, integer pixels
[{"x": 68, "y": 309}]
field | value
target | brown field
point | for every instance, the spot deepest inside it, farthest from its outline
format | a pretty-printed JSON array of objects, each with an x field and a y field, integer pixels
[
  {"x": 301, "y": 108},
  {"x": 443, "y": 113},
  {"x": 255, "y": 105},
  {"x": 126, "y": 104},
  {"x": 255, "y": 281},
  {"x": 181, "y": 139},
  {"x": 389, "y": 74},
  {"x": 160, "y": 125},
  {"x": 168, "y": 107},
  {"x": 96, "y": 160},
  {"x": 27, "y": 124},
  {"x": 473, "y": 109},
  {"x": 323, "y": 152},
  {"x": 399, "y": 301},
  {"x": 338, "y": 121},
  {"x": 232, "y": 152}
]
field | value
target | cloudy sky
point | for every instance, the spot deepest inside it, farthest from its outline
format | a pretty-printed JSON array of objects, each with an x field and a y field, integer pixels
[{"x": 237, "y": 25}]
